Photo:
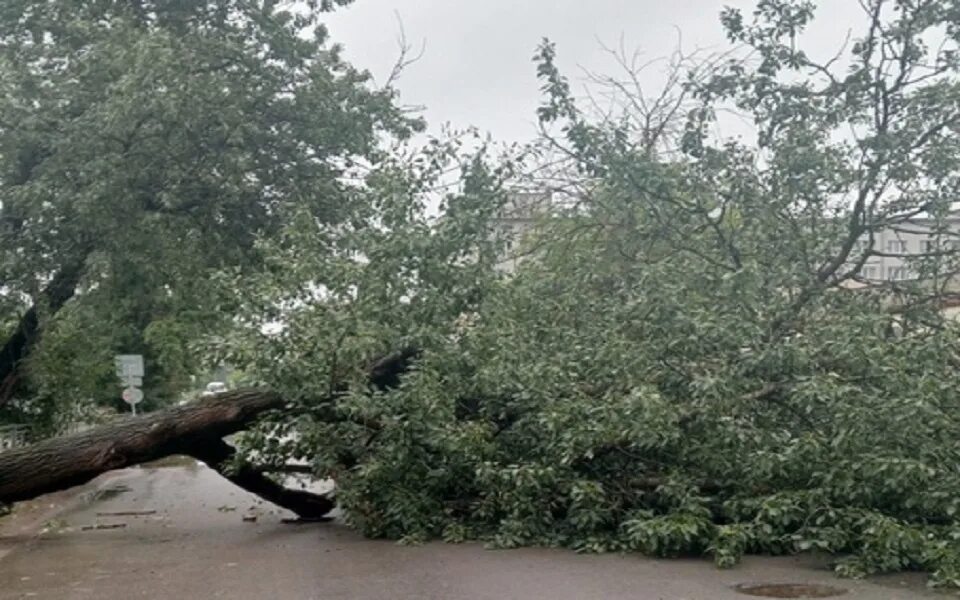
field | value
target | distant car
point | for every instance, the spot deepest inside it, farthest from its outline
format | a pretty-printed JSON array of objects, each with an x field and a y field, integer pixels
[{"x": 214, "y": 387}]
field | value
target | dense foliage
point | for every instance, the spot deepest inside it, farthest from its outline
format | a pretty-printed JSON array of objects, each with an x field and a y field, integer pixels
[
  {"x": 145, "y": 145},
  {"x": 686, "y": 363}
]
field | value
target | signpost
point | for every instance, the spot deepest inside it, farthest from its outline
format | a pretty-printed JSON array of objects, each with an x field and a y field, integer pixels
[
  {"x": 130, "y": 372},
  {"x": 129, "y": 365},
  {"x": 132, "y": 396}
]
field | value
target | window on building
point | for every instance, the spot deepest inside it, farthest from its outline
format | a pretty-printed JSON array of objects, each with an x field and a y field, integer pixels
[
  {"x": 896, "y": 273},
  {"x": 896, "y": 246},
  {"x": 928, "y": 246},
  {"x": 868, "y": 272}
]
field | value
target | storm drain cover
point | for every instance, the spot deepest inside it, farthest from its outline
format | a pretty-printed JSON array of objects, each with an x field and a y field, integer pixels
[{"x": 789, "y": 590}]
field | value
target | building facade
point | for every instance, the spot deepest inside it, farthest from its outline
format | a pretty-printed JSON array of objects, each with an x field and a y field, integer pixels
[
  {"x": 898, "y": 248},
  {"x": 517, "y": 219}
]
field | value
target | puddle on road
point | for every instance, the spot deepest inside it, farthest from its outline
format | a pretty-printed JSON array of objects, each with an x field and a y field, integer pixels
[{"x": 789, "y": 590}]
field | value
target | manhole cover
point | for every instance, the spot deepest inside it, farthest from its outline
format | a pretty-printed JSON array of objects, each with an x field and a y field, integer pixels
[{"x": 789, "y": 590}]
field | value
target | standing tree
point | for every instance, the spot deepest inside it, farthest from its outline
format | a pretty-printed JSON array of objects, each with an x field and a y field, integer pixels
[{"x": 145, "y": 145}]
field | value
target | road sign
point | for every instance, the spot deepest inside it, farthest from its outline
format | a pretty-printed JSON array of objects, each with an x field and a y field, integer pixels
[
  {"x": 132, "y": 395},
  {"x": 129, "y": 365},
  {"x": 130, "y": 371}
]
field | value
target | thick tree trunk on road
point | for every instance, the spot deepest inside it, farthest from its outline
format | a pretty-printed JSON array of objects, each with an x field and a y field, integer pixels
[{"x": 195, "y": 430}]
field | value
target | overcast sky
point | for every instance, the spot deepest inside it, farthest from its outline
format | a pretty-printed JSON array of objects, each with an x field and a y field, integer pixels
[{"x": 477, "y": 69}]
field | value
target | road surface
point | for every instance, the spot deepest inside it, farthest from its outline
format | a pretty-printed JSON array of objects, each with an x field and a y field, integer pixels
[{"x": 188, "y": 539}]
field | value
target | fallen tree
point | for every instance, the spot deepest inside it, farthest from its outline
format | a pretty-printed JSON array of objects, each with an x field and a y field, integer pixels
[{"x": 195, "y": 430}]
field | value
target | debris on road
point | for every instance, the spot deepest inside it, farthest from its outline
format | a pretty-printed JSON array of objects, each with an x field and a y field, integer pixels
[
  {"x": 103, "y": 526},
  {"x": 303, "y": 521},
  {"x": 127, "y": 513}
]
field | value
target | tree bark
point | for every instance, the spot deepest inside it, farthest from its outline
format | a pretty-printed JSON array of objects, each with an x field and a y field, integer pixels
[
  {"x": 195, "y": 430},
  {"x": 219, "y": 455}
]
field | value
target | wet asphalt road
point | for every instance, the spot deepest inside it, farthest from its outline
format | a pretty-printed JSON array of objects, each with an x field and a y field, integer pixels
[{"x": 195, "y": 544}]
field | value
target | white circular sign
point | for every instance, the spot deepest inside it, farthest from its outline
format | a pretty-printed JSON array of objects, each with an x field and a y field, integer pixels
[{"x": 132, "y": 395}]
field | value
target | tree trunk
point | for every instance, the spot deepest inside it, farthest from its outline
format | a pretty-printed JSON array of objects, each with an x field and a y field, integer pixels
[
  {"x": 219, "y": 455},
  {"x": 25, "y": 336},
  {"x": 195, "y": 430}
]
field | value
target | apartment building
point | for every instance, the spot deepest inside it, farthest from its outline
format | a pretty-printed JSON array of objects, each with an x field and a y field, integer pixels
[
  {"x": 897, "y": 248},
  {"x": 518, "y": 218}
]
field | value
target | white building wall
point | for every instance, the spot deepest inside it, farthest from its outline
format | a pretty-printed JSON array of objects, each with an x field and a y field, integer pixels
[
  {"x": 908, "y": 240},
  {"x": 519, "y": 217}
]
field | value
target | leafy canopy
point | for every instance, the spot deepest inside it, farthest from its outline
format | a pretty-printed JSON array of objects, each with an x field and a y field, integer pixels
[
  {"x": 686, "y": 363},
  {"x": 146, "y": 145}
]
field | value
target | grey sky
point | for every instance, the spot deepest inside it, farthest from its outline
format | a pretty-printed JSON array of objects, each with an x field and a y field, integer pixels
[{"x": 477, "y": 67}]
